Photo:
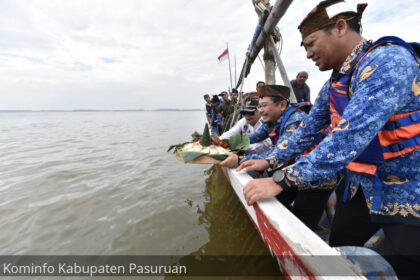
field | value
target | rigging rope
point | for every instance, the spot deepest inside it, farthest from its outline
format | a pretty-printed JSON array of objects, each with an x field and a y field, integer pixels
[{"x": 237, "y": 107}]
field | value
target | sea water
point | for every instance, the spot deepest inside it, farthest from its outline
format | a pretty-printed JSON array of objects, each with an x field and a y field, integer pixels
[{"x": 103, "y": 183}]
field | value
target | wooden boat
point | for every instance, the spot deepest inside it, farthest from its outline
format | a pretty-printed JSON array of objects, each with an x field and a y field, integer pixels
[{"x": 300, "y": 252}]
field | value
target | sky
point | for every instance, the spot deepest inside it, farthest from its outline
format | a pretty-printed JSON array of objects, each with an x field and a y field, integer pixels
[{"x": 136, "y": 54}]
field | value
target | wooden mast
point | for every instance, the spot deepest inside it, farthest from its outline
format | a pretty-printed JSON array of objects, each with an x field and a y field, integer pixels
[
  {"x": 266, "y": 25},
  {"x": 282, "y": 71},
  {"x": 271, "y": 57}
]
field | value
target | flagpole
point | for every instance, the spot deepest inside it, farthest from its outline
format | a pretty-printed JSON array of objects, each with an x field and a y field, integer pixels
[
  {"x": 235, "y": 70},
  {"x": 230, "y": 72}
]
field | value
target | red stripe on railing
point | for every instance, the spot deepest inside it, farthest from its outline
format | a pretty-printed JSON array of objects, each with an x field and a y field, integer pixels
[{"x": 289, "y": 261}]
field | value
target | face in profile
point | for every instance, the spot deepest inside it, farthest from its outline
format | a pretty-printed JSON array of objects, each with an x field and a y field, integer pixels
[{"x": 320, "y": 47}]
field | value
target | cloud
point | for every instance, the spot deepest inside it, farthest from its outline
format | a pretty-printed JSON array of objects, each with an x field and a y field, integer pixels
[
  {"x": 105, "y": 54},
  {"x": 108, "y": 60},
  {"x": 28, "y": 58}
]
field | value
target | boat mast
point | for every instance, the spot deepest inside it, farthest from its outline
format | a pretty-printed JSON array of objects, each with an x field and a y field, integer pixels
[
  {"x": 282, "y": 70},
  {"x": 270, "y": 63},
  {"x": 230, "y": 71},
  {"x": 264, "y": 40},
  {"x": 263, "y": 10}
]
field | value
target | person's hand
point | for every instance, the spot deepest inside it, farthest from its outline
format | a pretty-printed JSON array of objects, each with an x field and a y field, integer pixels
[
  {"x": 260, "y": 188},
  {"x": 253, "y": 164},
  {"x": 230, "y": 161}
]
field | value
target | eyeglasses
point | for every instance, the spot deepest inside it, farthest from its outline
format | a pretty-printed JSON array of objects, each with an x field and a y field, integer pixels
[{"x": 264, "y": 105}]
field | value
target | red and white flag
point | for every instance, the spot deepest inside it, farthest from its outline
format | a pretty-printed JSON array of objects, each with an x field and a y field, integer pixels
[{"x": 223, "y": 56}]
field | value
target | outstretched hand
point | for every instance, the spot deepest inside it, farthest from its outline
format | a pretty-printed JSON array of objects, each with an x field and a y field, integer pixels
[
  {"x": 230, "y": 161},
  {"x": 260, "y": 188},
  {"x": 253, "y": 164}
]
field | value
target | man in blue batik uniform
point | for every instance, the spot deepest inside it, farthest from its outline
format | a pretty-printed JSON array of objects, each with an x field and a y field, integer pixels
[
  {"x": 279, "y": 120},
  {"x": 372, "y": 102},
  {"x": 273, "y": 104}
]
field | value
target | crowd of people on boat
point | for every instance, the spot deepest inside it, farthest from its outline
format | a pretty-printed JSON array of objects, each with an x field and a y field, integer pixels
[{"x": 360, "y": 139}]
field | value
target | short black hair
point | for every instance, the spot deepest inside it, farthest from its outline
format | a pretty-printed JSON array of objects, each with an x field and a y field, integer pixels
[
  {"x": 215, "y": 99},
  {"x": 259, "y": 82},
  {"x": 277, "y": 99}
]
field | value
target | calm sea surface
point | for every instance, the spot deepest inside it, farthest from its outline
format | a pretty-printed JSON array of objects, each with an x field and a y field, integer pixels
[{"x": 102, "y": 183}]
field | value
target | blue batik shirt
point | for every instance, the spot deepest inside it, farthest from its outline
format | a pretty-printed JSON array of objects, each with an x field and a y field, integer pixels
[
  {"x": 386, "y": 82},
  {"x": 263, "y": 131}
]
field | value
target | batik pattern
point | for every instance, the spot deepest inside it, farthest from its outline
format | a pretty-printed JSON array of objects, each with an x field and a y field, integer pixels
[
  {"x": 386, "y": 82},
  {"x": 263, "y": 132}
]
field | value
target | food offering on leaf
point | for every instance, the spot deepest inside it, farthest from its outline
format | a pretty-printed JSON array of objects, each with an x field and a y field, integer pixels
[
  {"x": 206, "y": 149},
  {"x": 218, "y": 147}
]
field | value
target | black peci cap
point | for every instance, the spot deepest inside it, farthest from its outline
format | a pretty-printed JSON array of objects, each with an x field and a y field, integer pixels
[{"x": 275, "y": 91}]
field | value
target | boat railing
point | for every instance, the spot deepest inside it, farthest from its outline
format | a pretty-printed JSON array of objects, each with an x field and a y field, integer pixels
[{"x": 300, "y": 251}]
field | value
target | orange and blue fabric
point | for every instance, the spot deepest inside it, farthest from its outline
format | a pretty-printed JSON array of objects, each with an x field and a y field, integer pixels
[{"x": 372, "y": 105}]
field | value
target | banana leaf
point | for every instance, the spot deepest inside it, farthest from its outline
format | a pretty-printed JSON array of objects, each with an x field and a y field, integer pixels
[
  {"x": 205, "y": 140},
  {"x": 189, "y": 156},
  {"x": 237, "y": 144}
]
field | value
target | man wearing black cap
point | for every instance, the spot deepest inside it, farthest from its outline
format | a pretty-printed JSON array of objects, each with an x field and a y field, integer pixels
[
  {"x": 372, "y": 104},
  {"x": 273, "y": 102},
  {"x": 249, "y": 124},
  {"x": 280, "y": 119}
]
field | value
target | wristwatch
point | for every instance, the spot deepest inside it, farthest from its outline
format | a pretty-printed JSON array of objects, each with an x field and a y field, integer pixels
[
  {"x": 279, "y": 177},
  {"x": 241, "y": 159}
]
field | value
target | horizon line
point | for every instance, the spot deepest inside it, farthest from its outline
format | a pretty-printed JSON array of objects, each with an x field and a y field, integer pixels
[{"x": 98, "y": 110}]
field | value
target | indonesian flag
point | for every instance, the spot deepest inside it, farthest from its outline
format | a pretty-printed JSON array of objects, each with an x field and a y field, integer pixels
[{"x": 223, "y": 56}]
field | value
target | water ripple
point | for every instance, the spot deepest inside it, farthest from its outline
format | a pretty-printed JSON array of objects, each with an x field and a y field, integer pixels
[{"x": 102, "y": 183}]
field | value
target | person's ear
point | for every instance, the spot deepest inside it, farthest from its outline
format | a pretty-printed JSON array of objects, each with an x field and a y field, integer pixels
[
  {"x": 283, "y": 104},
  {"x": 341, "y": 26}
]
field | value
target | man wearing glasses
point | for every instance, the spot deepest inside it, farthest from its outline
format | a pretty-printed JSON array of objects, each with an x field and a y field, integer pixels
[
  {"x": 274, "y": 101},
  {"x": 280, "y": 120}
]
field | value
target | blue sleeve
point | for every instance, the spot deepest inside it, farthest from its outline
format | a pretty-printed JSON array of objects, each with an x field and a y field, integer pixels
[
  {"x": 378, "y": 90},
  {"x": 259, "y": 135},
  {"x": 291, "y": 125},
  {"x": 307, "y": 94},
  {"x": 308, "y": 130},
  {"x": 213, "y": 117}
]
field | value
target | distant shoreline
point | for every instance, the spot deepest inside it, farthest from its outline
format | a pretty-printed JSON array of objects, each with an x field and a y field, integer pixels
[{"x": 93, "y": 110}]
